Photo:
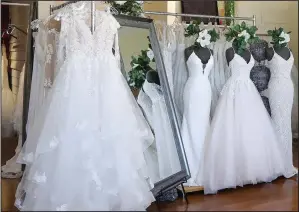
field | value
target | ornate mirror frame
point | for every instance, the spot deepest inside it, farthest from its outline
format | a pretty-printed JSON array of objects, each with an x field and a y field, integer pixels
[{"x": 182, "y": 176}]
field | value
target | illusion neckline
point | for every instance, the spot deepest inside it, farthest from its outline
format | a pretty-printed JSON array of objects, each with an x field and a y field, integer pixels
[
  {"x": 87, "y": 28},
  {"x": 203, "y": 68}
]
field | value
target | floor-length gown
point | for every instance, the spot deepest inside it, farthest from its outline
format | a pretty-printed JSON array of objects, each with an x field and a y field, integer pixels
[
  {"x": 12, "y": 169},
  {"x": 91, "y": 133},
  {"x": 281, "y": 94},
  {"x": 196, "y": 117},
  {"x": 7, "y": 100},
  {"x": 241, "y": 147},
  {"x": 168, "y": 160}
]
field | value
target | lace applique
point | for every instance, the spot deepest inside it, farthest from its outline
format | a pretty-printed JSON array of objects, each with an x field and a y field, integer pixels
[
  {"x": 47, "y": 83},
  {"x": 40, "y": 177},
  {"x": 62, "y": 208},
  {"x": 49, "y": 53},
  {"x": 28, "y": 157},
  {"x": 54, "y": 142}
]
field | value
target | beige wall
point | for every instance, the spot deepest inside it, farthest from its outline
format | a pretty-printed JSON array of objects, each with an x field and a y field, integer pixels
[{"x": 270, "y": 14}]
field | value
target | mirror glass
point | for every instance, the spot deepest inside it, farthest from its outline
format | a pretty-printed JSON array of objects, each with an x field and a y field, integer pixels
[{"x": 141, "y": 73}]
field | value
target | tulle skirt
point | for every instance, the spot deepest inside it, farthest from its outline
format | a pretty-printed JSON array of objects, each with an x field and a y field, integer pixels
[
  {"x": 241, "y": 147},
  {"x": 85, "y": 148}
]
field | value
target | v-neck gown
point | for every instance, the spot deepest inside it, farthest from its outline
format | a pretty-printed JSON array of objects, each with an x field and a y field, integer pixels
[
  {"x": 281, "y": 94},
  {"x": 196, "y": 117},
  {"x": 241, "y": 147}
]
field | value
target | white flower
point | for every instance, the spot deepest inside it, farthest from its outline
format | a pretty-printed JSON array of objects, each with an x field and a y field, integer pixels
[
  {"x": 132, "y": 84},
  {"x": 245, "y": 34},
  {"x": 150, "y": 54},
  {"x": 135, "y": 65},
  {"x": 120, "y": 2},
  {"x": 286, "y": 37},
  {"x": 204, "y": 38}
]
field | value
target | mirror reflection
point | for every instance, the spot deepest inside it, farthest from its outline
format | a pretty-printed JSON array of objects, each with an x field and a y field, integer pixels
[{"x": 143, "y": 78}]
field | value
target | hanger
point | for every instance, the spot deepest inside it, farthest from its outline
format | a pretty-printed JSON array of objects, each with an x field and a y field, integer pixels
[{"x": 9, "y": 31}]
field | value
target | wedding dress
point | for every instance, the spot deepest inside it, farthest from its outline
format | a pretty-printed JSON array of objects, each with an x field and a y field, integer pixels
[
  {"x": 12, "y": 169},
  {"x": 90, "y": 138},
  {"x": 7, "y": 100},
  {"x": 281, "y": 94},
  {"x": 241, "y": 146},
  {"x": 220, "y": 71},
  {"x": 150, "y": 155},
  {"x": 168, "y": 160},
  {"x": 196, "y": 118}
]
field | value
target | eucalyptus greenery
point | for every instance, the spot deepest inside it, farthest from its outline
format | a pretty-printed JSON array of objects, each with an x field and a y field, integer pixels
[
  {"x": 242, "y": 35},
  {"x": 130, "y": 7},
  {"x": 140, "y": 66},
  {"x": 194, "y": 29},
  {"x": 280, "y": 38}
]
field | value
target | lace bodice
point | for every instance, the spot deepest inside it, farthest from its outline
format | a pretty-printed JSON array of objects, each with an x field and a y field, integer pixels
[
  {"x": 196, "y": 67},
  {"x": 240, "y": 68},
  {"x": 80, "y": 38},
  {"x": 281, "y": 68}
]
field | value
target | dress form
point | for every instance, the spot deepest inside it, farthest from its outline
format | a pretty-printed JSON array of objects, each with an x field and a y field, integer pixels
[
  {"x": 230, "y": 53},
  {"x": 284, "y": 52},
  {"x": 260, "y": 73},
  {"x": 153, "y": 77},
  {"x": 202, "y": 53}
]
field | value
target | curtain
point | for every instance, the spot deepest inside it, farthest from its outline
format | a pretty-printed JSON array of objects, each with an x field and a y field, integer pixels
[{"x": 203, "y": 7}]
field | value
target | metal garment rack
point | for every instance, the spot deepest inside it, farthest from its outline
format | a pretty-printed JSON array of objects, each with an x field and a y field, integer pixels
[
  {"x": 15, "y": 4},
  {"x": 253, "y": 18}
]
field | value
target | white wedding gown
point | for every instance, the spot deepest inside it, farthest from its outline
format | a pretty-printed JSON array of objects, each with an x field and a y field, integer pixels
[
  {"x": 196, "y": 117},
  {"x": 168, "y": 160},
  {"x": 7, "y": 100},
  {"x": 90, "y": 134},
  {"x": 281, "y": 94},
  {"x": 12, "y": 169},
  {"x": 241, "y": 147}
]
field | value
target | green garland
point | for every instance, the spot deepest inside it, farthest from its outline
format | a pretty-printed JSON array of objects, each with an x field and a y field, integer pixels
[
  {"x": 140, "y": 66},
  {"x": 242, "y": 35},
  {"x": 229, "y": 11},
  {"x": 194, "y": 29},
  {"x": 280, "y": 38},
  {"x": 130, "y": 7}
]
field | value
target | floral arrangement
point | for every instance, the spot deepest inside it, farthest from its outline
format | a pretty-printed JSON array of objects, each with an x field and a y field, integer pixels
[
  {"x": 140, "y": 66},
  {"x": 204, "y": 38},
  {"x": 280, "y": 38},
  {"x": 242, "y": 35},
  {"x": 130, "y": 7}
]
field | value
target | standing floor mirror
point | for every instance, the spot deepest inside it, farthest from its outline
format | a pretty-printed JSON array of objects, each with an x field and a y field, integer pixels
[{"x": 142, "y": 65}]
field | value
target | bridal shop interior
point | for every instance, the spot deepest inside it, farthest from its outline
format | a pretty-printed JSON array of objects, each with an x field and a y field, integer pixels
[{"x": 149, "y": 105}]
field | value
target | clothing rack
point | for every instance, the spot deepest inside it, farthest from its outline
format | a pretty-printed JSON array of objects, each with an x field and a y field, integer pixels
[
  {"x": 253, "y": 18},
  {"x": 15, "y": 4}
]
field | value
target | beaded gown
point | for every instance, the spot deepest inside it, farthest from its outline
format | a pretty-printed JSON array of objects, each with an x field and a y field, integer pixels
[
  {"x": 281, "y": 94},
  {"x": 241, "y": 147},
  {"x": 90, "y": 145}
]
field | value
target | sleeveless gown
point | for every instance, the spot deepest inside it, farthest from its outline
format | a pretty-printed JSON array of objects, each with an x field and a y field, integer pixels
[
  {"x": 241, "y": 147},
  {"x": 168, "y": 160},
  {"x": 92, "y": 135},
  {"x": 281, "y": 94},
  {"x": 196, "y": 117}
]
